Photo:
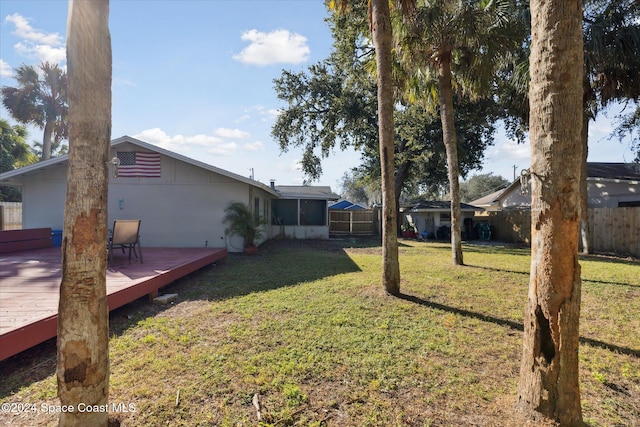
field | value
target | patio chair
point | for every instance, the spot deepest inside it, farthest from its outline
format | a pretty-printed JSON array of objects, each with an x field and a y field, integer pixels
[{"x": 126, "y": 235}]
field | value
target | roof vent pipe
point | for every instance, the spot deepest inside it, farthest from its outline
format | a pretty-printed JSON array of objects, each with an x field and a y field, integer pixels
[{"x": 273, "y": 184}]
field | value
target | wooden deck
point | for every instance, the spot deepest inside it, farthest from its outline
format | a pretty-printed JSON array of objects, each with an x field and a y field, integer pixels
[{"x": 30, "y": 284}]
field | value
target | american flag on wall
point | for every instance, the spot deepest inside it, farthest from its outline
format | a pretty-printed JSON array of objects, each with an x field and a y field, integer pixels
[{"x": 139, "y": 164}]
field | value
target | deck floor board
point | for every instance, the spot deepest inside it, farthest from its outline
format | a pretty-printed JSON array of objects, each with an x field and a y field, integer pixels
[{"x": 30, "y": 287}]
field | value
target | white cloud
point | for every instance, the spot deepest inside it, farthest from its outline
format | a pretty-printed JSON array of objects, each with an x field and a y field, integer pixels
[
  {"x": 253, "y": 146},
  {"x": 26, "y": 31},
  {"x": 292, "y": 166},
  {"x": 231, "y": 133},
  {"x": 225, "y": 149},
  {"x": 274, "y": 113},
  {"x": 5, "y": 69},
  {"x": 511, "y": 150},
  {"x": 41, "y": 52},
  {"x": 182, "y": 143},
  {"x": 45, "y": 47},
  {"x": 276, "y": 47}
]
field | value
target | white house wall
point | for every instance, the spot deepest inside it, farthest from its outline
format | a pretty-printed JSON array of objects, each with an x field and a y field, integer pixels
[
  {"x": 300, "y": 231},
  {"x": 43, "y": 196}
]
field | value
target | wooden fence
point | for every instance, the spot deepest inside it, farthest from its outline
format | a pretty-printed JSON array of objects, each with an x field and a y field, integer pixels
[
  {"x": 614, "y": 230},
  {"x": 10, "y": 215},
  {"x": 361, "y": 222}
]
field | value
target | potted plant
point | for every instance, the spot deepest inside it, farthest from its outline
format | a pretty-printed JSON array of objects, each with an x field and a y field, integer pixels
[{"x": 242, "y": 222}]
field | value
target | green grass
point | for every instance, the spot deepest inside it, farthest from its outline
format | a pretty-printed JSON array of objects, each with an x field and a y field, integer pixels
[{"x": 307, "y": 327}]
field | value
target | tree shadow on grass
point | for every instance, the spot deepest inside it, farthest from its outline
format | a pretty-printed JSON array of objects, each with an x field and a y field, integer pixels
[
  {"x": 278, "y": 264},
  {"x": 527, "y": 273},
  {"x": 509, "y": 323}
]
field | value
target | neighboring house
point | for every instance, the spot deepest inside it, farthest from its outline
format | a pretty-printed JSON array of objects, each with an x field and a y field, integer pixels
[
  {"x": 301, "y": 212},
  {"x": 346, "y": 205},
  {"x": 180, "y": 201},
  {"x": 609, "y": 185},
  {"x": 434, "y": 217},
  {"x": 488, "y": 202}
]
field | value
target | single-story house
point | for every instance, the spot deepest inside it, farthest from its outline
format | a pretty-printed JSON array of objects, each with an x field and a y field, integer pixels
[
  {"x": 301, "y": 211},
  {"x": 433, "y": 218},
  {"x": 609, "y": 185},
  {"x": 180, "y": 200}
]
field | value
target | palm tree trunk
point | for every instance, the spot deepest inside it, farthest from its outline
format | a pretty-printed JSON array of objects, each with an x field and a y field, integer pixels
[
  {"x": 46, "y": 140},
  {"x": 83, "y": 315},
  {"x": 548, "y": 383},
  {"x": 382, "y": 40},
  {"x": 451, "y": 146},
  {"x": 585, "y": 238},
  {"x": 402, "y": 173}
]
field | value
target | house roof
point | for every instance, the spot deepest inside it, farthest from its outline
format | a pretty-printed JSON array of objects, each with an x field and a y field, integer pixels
[
  {"x": 621, "y": 171},
  {"x": 306, "y": 192},
  {"x": 488, "y": 199},
  {"x": 438, "y": 206},
  {"x": 13, "y": 177}
]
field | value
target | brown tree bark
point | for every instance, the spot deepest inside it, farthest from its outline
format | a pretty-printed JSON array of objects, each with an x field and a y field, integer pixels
[
  {"x": 382, "y": 39},
  {"x": 548, "y": 384},
  {"x": 46, "y": 140},
  {"x": 451, "y": 146},
  {"x": 83, "y": 334}
]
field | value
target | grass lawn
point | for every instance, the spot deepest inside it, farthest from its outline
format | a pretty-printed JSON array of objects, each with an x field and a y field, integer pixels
[{"x": 305, "y": 331}]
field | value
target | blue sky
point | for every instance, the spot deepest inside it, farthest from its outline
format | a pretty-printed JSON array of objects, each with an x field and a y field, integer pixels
[{"x": 196, "y": 77}]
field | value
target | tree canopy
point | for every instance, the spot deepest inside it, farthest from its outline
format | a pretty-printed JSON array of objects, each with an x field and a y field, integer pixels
[
  {"x": 14, "y": 152},
  {"x": 41, "y": 100}
]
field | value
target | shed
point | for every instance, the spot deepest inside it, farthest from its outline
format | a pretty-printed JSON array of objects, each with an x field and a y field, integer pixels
[{"x": 433, "y": 218}]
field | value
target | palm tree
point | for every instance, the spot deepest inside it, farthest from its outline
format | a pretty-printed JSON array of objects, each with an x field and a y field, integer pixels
[
  {"x": 611, "y": 32},
  {"x": 244, "y": 223},
  {"x": 382, "y": 37},
  {"x": 83, "y": 314},
  {"x": 40, "y": 100},
  {"x": 612, "y": 70},
  {"x": 548, "y": 383},
  {"x": 459, "y": 44}
]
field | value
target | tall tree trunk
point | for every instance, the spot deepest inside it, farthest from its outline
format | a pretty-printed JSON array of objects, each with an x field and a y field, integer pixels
[
  {"x": 451, "y": 145},
  {"x": 83, "y": 329},
  {"x": 548, "y": 383},
  {"x": 402, "y": 173},
  {"x": 587, "y": 97},
  {"x": 382, "y": 40},
  {"x": 584, "y": 195},
  {"x": 46, "y": 140}
]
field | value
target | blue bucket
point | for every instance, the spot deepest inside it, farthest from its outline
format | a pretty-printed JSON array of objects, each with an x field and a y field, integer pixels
[{"x": 56, "y": 238}]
